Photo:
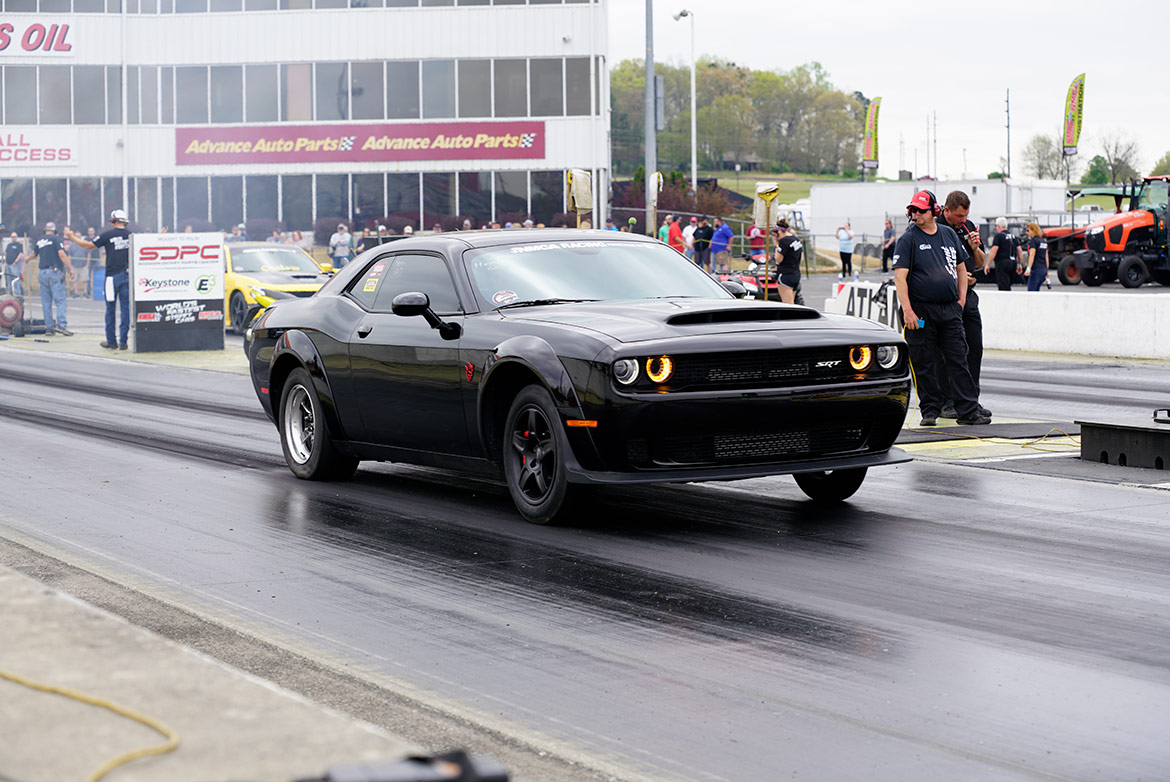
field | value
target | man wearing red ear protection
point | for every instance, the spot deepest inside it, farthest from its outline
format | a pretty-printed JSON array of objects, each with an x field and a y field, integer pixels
[{"x": 932, "y": 294}]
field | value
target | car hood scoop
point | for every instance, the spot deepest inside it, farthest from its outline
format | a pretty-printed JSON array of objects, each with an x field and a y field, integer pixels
[{"x": 648, "y": 319}]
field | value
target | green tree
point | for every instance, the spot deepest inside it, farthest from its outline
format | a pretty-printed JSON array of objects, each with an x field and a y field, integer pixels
[
  {"x": 1097, "y": 172},
  {"x": 1162, "y": 166}
]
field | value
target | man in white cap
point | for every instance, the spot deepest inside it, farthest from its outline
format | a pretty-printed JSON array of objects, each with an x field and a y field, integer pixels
[
  {"x": 339, "y": 246},
  {"x": 54, "y": 264},
  {"x": 116, "y": 242}
]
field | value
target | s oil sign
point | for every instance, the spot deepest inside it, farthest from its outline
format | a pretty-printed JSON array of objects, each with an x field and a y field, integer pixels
[{"x": 177, "y": 285}]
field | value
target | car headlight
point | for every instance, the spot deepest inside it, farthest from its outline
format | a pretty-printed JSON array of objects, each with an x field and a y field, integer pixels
[
  {"x": 887, "y": 356},
  {"x": 860, "y": 357},
  {"x": 625, "y": 370},
  {"x": 658, "y": 369},
  {"x": 269, "y": 294},
  {"x": 1100, "y": 229}
]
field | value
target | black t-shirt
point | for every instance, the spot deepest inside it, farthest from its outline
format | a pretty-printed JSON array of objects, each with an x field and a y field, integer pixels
[
  {"x": 790, "y": 250},
  {"x": 932, "y": 260},
  {"x": 47, "y": 248},
  {"x": 116, "y": 242},
  {"x": 963, "y": 229},
  {"x": 11, "y": 252},
  {"x": 1006, "y": 243},
  {"x": 1040, "y": 245},
  {"x": 702, "y": 237}
]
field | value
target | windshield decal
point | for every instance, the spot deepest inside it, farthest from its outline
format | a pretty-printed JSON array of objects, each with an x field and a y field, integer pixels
[
  {"x": 504, "y": 297},
  {"x": 371, "y": 284},
  {"x": 533, "y": 248}
]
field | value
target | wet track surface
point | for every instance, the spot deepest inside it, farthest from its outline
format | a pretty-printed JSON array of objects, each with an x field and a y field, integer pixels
[{"x": 950, "y": 622}]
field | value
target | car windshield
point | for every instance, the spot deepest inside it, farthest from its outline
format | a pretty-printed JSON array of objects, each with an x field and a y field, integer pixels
[
  {"x": 585, "y": 270},
  {"x": 251, "y": 260},
  {"x": 1154, "y": 196}
]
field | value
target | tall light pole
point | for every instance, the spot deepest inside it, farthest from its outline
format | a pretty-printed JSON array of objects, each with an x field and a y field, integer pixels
[
  {"x": 694, "y": 124},
  {"x": 651, "y": 139}
]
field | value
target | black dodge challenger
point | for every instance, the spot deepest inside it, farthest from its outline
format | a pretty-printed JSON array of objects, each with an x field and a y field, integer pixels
[{"x": 558, "y": 358}]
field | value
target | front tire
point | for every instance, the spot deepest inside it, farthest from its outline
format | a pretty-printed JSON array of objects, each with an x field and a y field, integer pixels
[
  {"x": 534, "y": 449},
  {"x": 239, "y": 312},
  {"x": 831, "y": 486},
  {"x": 1067, "y": 272},
  {"x": 1132, "y": 272},
  {"x": 304, "y": 436},
  {"x": 1094, "y": 276}
]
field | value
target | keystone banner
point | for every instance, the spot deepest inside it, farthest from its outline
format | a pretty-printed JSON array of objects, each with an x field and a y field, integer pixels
[
  {"x": 359, "y": 143},
  {"x": 1074, "y": 109},
  {"x": 869, "y": 155},
  {"x": 177, "y": 282}
]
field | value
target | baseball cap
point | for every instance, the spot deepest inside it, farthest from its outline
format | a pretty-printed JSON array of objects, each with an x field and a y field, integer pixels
[
  {"x": 50, "y": 226},
  {"x": 920, "y": 201},
  {"x": 119, "y": 216},
  {"x": 408, "y": 229},
  {"x": 694, "y": 219},
  {"x": 341, "y": 226},
  {"x": 240, "y": 226},
  {"x": 528, "y": 223}
]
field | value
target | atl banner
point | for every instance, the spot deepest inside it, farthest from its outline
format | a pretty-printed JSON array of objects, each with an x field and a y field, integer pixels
[
  {"x": 358, "y": 143},
  {"x": 869, "y": 156},
  {"x": 1074, "y": 109}
]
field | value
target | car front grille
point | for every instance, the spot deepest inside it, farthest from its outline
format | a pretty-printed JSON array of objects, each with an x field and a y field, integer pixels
[
  {"x": 748, "y": 447},
  {"x": 761, "y": 369}
]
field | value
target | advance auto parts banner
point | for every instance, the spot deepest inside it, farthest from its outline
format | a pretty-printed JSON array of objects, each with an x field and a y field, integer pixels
[
  {"x": 359, "y": 143},
  {"x": 177, "y": 291}
]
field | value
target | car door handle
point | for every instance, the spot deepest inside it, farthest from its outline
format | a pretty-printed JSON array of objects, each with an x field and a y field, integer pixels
[{"x": 364, "y": 331}]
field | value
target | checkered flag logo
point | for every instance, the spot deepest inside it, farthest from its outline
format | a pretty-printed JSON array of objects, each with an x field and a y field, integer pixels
[
  {"x": 347, "y": 143},
  {"x": 527, "y": 140}
]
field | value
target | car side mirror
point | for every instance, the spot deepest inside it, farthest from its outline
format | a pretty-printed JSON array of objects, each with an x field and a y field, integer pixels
[
  {"x": 415, "y": 303},
  {"x": 734, "y": 288}
]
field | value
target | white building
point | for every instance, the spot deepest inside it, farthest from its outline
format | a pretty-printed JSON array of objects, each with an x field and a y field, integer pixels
[{"x": 215, "y": 112}]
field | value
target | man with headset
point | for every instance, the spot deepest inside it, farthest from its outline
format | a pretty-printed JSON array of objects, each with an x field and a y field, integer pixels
[{"x": 932, "y": 294}]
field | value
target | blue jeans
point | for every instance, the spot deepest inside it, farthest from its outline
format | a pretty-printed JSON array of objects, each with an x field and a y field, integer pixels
[
  {"x": 53, "y": 292},
  {"x": 121, "y": 285},
  {"x": 12, "y": 281}
]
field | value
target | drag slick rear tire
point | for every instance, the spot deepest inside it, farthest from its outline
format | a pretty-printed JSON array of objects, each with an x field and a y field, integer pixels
[
  {"x": 304, "y": 435},
  {"x": 533, "y": 451},
  {"x": 831, "y": 486}
]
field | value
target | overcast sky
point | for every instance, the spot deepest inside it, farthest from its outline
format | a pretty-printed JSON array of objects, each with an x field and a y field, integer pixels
[{"x": 954, "y": 59}]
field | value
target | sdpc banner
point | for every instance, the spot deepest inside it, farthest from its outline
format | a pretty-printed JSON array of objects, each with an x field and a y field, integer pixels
[{"x": 177, "y": 291}]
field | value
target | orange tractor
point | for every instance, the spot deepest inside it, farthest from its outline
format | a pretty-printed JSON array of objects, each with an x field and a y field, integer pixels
[{"x": 1130, "y": 247}]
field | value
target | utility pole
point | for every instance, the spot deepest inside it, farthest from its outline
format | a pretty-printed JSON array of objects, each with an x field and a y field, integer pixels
[
  {"x": 651, "y": 137},
  {"x": 936, "y": 144},
  {"x": 1008, "y": 109}
]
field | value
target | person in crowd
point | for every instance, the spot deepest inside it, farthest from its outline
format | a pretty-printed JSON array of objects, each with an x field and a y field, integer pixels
[
  {"x": 116, "y": 243},
  {"x": 14, "y": 266},
  {"x": 789, "y": 250},
  {"x": 955, "y": 211},
  {"x": 702, "y": 240},
  {"x": 274, "y": 237},
  {"x": 80, "y": 261},
  {"x": 367, "y": 241},
  {"x": 664, "y": 229},
  {"x": 408, "y": 230},
  {"x": 721, "y": 245},
  {"x": 674, "y": 236},
  {"x": 54, "y": 265},
  {"x": 237, "y": 234},
  {"x": 757, "y": 242},
  {"x": 1037, "y": 269},
  {"x": 298, "y": 240},
  {"x": 528, "y": 222},
  {"x": 1005, "y": 255},
  {"x": 339, "y": 246},
  {"x": 932, "y": 295},
  {"x": 845, "y": 246},
  {"x": 689, "y": 238},
  {"x": 190, "y": 229},
  {"x": 889, "y": 236},
  {"x": 609, "y": 226}
]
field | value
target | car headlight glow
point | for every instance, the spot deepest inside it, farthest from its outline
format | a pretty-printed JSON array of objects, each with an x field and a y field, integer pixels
[
  {"x": 887, "y": 356},
  {"x": 625, "y": 370},
  {"x": 860, "y": 357},
  {"x": 1100, "y": 229},
  {"x": 659, "y": 369}
]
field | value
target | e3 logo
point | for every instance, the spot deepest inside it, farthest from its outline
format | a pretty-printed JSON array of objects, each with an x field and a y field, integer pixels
[{"x": 205, "y": 283}]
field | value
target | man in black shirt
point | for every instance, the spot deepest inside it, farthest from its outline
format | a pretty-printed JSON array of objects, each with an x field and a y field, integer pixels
[
  {"x": 1005, "y": 254},
  {"x": 54, "y": 264},
  {"x": 116, "y": 243},
  {"x": 932, "y": 295},
  {"x": 788, "y": 252},
  {"x": 702, "y": 243},
  {"x": 955, "y": 211}
]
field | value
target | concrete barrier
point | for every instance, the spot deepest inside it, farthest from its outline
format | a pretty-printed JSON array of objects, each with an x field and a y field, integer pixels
[{"x": 1050, "y": 321}]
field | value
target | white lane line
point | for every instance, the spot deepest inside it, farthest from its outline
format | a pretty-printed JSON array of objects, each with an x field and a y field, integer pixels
[{"x": 992, "y": 459}]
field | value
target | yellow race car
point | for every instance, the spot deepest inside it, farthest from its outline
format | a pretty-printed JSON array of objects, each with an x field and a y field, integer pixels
[{"x": 262, "y": 272}]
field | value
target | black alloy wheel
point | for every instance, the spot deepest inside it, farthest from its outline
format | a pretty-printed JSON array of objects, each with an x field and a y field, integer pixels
[
  {"x": 534, "y": 445},
  {"x": 304, "y": 436},
  {"x": 239, "y": 312},
  {"x": 831, "y": 486}
]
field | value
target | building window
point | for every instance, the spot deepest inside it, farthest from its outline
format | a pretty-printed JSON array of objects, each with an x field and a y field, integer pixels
[
  {"x": 368, "y": 200},
  {"x": 166, "y": 187},
  {"x": 227, "y": 93},
  {"x": 548, "y": 195},
  {"x": 16, "y": 208},
  {"x": 260, "y": 5},
  {"x": 167, "y": 95},
  {"x": 191, "y": 95},
  {"x": 132, "y": 95},
  {"x": 148, "y": 81},
  {"x": 438, "y": 88},
  {"x": 511, "y": 196},
  {"x": 546, "y": 88},
  {"x": 113, "y": 95},
  {"x": 511, "y": 88},
  {"x": 260, "y": 93},
  {"x": 20, "y": 95},
  {"x": 56, "y": 95},
  {"x": 332, "y": 196},
  {"x": 401, "y": 3},
  {"x": 191, "y": 203},
  {"x": 88, "y": 6},
  {"x": 475, "y": 88},
  {"x": 190, "y": 6},
  {"x": 367, "y": 92},
  {"x": 51, "y": 202},
  {"x": 146, "y": 207},
  {"x": 296, "y": 199},
  {"x": 20, "y": 6},
  {"x": 439, "y": 201},
  {"x": 402, "y": 90},
  {"x": 225, "y": 5},
  {"x": 475, "y": 197},
  {"x": 577, "y": 86},
  {"x": 261, "y": 195},
  {"x": 402, "y": 199},
  {"x": 89, "y": 95},
  {"x": 332, "y": 90},
  {"x": 85, "y": 204},
  {"x": 112, "y": 194},
  {"x": 227, "y": 201},
  {"x": 296, "y": 92}
]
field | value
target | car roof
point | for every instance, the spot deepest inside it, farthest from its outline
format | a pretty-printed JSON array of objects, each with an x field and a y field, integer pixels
[{"x": 509, "y": 236}]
